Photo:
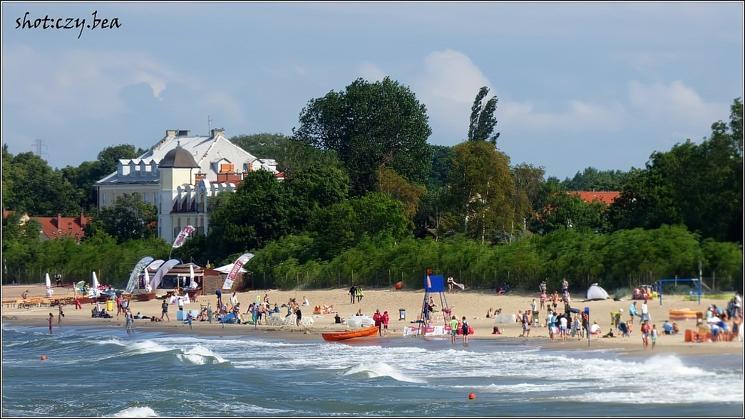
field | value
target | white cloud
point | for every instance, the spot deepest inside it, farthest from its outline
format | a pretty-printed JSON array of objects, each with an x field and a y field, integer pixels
[
  {"x": 447, "y": 86},
  {"x": 56, "y": 86},
  {"x": 575, "y": 117},
  {"x": 370, "y": 72},
  {"x": 450, "y": 81},
  {"x": 674, "y": 103}
]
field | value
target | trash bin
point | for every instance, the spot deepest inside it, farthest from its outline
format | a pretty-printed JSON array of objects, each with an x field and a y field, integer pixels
[{"x": 402, "y": 314}]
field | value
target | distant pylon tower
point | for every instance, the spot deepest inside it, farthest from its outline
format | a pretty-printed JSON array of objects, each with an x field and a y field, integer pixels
[{"x": 39, "y": 148}]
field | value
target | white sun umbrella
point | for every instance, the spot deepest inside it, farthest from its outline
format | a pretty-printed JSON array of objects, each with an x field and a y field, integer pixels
[
  {"x": 192, "y": 284},
  {"x": 147, "y": 281},
  {"x": 94, "y": 284},
  {"x": 47, "y": 280}
]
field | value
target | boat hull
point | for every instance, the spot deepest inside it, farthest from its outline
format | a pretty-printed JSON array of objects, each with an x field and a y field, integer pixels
[{"x": 337, "y": 336}]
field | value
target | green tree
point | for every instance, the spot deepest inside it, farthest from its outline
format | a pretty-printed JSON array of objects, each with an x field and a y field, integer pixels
[
  {"x": 30, "y": 185},
  {"x": 566, "y": 210},
  {"x": 369, "y": 126},
  {"x": 258, "y": 212},
  {"x": 397, "y": 187},
  {"x": 481, "y": 189},
  {"x": 592, "y": 179},
  {"x": 129, "y": 218},
  {"x": 483, "y": 120}
]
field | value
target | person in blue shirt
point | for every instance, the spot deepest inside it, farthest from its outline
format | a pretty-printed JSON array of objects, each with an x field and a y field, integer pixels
[
  {"x": 632, "y": 310},
  {"x": 667, "y": 328}
]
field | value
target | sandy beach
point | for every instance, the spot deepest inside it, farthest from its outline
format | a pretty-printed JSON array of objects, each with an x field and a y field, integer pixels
[{"x": 472, "y": 304}]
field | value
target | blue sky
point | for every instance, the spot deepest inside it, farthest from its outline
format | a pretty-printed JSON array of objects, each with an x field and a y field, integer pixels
[{"x": 601, "y": 84}]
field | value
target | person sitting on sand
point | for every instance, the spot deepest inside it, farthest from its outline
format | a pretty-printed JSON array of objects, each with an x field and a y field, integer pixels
[
  {"x": 337, "y": 319},
  {"x": 609, "y": 334},
  {"x": 305, "y": 301},
  {"x": 359, "y": 313},
  {"x": 667, "y": 328},
  {"x": 488, "y": 313},
  {"x": 595, "y": 329}
]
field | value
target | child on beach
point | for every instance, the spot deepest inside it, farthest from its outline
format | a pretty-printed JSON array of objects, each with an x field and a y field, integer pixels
[
  {"x": 645, "y": 334},
  {"x": 654, "y": 335},
  {"x": 386, "y": 319}
]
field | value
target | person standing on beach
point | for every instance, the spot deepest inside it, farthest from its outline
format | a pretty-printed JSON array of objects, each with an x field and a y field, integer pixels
[
  {"x": 51, "y": 316},
  {"x": 465, "y": 330},
  {"x": 119, "y": 305},
  {"x": 645, "y": 312},
  {"x": 378, "y": 319},
  {"x": 453, "y": 329},
  {"x": 76, "y": 299},
  {"x": 653, "y": 335},
  {"x": 632, "y": 311},
  {"x": 645, "y": 334},
  {"x": 164, "y": 307},
  {"x": 352, "y": 293},
  {"x": 386, "y": 319},
  {"x": 233, "y": 299},
  {"x": 526, "y": 324},
  {"x": 218, "y": 292},
  {"x": 61, "y": 313},
  {"x": 299, "y": 315}
]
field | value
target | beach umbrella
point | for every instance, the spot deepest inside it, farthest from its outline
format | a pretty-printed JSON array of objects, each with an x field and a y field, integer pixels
[
  {"x": 94, "y": 284},
  {"x": 47, "y": 280},
  {"x": 192, "y": 284}
]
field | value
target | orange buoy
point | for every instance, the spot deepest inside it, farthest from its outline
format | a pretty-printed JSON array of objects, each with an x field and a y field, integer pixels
[
  {"x": 471, "y": 396},
  {"x": 43, "y": 357}
]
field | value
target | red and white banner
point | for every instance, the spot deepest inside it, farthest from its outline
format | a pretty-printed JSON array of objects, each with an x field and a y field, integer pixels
[
  {"x": 242, "y": 260},
  {"x": 181, "y": 238}
]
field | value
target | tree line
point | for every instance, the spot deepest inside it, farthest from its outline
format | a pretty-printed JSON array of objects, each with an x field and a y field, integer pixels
[{"x": 362, "y": 188}]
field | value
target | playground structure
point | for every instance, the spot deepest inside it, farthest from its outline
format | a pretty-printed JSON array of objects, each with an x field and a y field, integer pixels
[{"x": 695, "y": 281}]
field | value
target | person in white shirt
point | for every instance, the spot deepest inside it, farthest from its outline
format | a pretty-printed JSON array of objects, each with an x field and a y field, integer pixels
[
  {"x": 305, "y": 301},
  {"x": 645, "y": 311},
  {"x": 233, "y": 299}
]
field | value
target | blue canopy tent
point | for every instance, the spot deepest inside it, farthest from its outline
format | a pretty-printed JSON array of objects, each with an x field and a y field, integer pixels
[{"x": 695, "y": 281}]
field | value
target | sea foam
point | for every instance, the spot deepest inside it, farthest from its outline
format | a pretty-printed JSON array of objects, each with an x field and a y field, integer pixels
[
  {"x": 381, "y": 369},
  {"x": 136, "y": 412}
]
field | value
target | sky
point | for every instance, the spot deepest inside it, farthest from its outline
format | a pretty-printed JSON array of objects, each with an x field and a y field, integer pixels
[{"x": 578, "y": 84}]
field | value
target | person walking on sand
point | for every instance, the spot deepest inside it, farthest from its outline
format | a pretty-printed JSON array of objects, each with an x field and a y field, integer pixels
[
  {"x": 645, "y": 334},
  {"x": 79, "y": 306},
  {"x": 653, "y": 335},
  {"x": 352, "y": 293},
  {"x": 61, "y": 313},
  {"x": 526, "y": 324},
  {"x": 632, "y": 311},
  {"x": 645, "y": 312},
  {"x": 378, "y": 319},
  {"x": 453, "y": 329},
  {"x": 164, "y": 308},
  {"x": 465, "y": 330}
]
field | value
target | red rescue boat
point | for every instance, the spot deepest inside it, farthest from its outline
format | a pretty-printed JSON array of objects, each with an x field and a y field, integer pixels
[{"x": 335, "y": 336}]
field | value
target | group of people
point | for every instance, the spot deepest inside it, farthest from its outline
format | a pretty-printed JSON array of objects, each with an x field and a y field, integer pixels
[
  {"x": 356, "y": 292},
  {"x": 724, "y": 321}
]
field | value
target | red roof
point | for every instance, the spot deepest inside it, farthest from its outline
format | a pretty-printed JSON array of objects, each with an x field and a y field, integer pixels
[
  {"x": 54, "y": 227},
  {"x": 606, "y": 197}
]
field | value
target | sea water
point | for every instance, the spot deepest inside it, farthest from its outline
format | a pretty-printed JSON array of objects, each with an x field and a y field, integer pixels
[{"x": 104, "y": 372}]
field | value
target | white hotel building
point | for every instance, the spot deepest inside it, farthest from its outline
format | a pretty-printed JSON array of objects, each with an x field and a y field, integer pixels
[{"x": 178, "y": 174}]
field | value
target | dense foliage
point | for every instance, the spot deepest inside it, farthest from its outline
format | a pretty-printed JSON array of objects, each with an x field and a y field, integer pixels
[
  {"x": 369, "y": 126},
  {"x": 366, "y": 200}
]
